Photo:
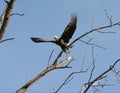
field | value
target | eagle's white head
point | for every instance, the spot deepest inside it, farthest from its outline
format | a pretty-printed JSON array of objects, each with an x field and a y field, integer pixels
[{"x": 55, "y": 38}]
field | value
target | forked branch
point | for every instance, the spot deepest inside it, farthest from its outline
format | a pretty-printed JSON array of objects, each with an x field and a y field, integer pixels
[
  {"x": 89, "y": 84},
  {"x": 96, "y": 29},
  {"x": 43, "y": 73}
]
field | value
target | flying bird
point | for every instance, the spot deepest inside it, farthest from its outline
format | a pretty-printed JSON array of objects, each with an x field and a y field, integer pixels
[{"x": 63, "y": 41}]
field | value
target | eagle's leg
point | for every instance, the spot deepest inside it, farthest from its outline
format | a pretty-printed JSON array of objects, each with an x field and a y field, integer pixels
[
  {"x": 67, "y": 54},
  {"x": 67, "y": 51}
]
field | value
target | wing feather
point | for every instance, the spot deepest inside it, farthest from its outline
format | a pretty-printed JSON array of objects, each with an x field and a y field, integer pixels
[{"x": 69, "y": 30}]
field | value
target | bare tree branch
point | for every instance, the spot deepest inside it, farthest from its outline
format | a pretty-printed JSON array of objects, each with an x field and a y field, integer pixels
[
  {"x": 6, "y": 39},
  {"x": 17, "y": 14},
  {"x": 96, "y": 29},
  {"x": 9, "y": 8},
  {"x": 43, "y": 73},
  {"x": 101, "y": 75},
  {"x": 106, "y": 32},
  {"x": 88, "y": 43},
  {"x": 109, "y": 17},
  {"x": 50, "y": 57},
  {"x": 93, "y": 63},
  {"x": 82, "y": 63},
  {"x": 59, "y": 55},
  {"x": 68, "y": 80},
  {"x": 117, "y": 74}
]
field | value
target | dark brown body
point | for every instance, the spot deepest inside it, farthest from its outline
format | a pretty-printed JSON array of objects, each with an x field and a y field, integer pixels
[{"x": 63, "y": 45}]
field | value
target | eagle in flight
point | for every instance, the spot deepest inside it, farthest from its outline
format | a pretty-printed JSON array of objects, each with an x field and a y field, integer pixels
[{"x": 63, "y": 41}]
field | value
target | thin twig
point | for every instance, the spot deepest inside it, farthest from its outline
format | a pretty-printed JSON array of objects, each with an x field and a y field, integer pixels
[
  {"x": 93, "y": 21},
  {"x": 68, "y": 80},
  {"x": 58, "y": 57},
  {"x": 82, "y": 63},
  {"x": 6, "y": 39},
  {"x": 17, "y": 14},
  {"x": 106, "y": 32},
  {"x": 50, "y": 57},
  {"x": 116, "y": 74},
  {"x": 93, "y": 64},
  {"x": 117, "y": 78},
  {"x": 109, "y": 17},
  {"x": 88, "y": 43}
]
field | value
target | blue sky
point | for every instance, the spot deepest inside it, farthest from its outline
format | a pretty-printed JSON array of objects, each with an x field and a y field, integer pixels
[{"x": 21, "y": 59}]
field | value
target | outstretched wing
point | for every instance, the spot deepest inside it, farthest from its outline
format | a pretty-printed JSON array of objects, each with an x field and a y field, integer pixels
[
  {"x": 69, "y": 30},
  {"x": 39, "y": 40}
]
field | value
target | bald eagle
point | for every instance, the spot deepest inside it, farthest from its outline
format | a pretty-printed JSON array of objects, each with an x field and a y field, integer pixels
[{"x": 63, "y": 41}]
